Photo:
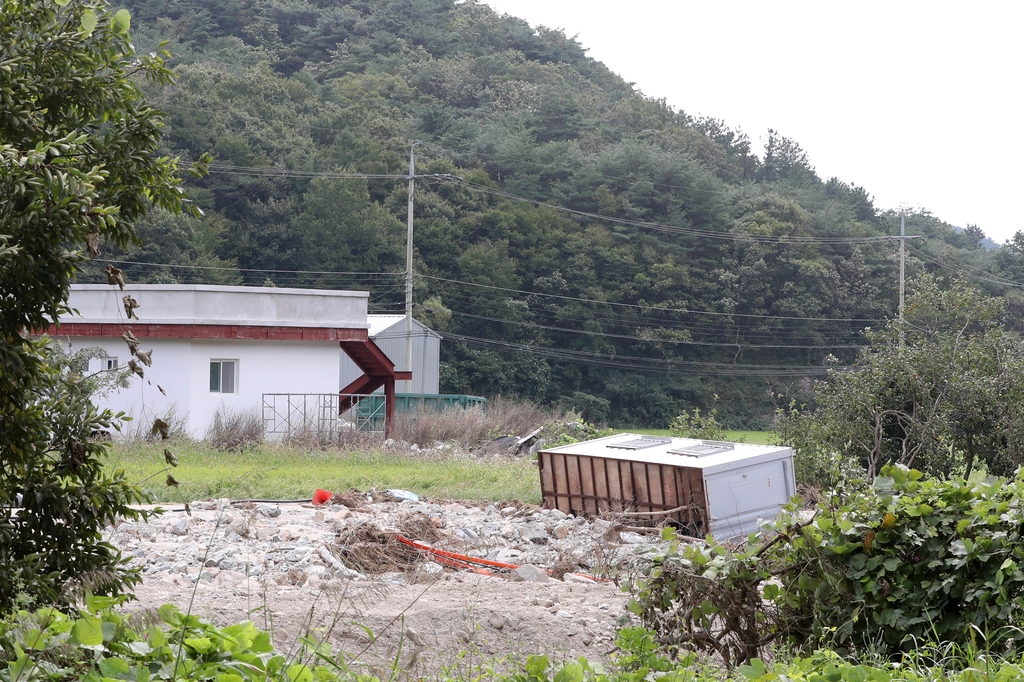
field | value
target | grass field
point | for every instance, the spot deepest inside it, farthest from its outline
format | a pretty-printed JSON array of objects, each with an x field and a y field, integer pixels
[
  {"x": 756, "y": 437},
  {"x": 281, "y": 472},
  {"x": 284, "y": 472}
]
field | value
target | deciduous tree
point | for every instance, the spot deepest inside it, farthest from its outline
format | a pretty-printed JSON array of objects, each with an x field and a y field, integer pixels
[{"x": 78, "y": 166}]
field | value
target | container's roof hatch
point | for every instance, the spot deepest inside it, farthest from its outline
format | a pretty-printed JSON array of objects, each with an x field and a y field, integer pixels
[
  {"x": 702, "y": 449},
  {"x": 641, "y": 443}
]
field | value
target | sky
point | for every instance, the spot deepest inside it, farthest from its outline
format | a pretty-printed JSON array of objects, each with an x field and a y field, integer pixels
[{"x": 920, "y": 103}]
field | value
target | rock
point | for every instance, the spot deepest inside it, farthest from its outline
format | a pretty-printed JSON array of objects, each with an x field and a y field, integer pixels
[
  {"x": 631, "y": 538},
  {"x": 318, "y": 517},
  {"x": 496, "y": 621},
  {"x": 560, "y": 532},
  {"x": 505, "y": 555},
  {"x": 298, "y": 554},
  {"x": 535, "y": 533},
  {"x": 414, "y": 637},
  {"x": 509, "y": 511},
  {"x": 271, "y": 511},
  {"x": 556, "y": 514},
  {"x": 429, "y": 571},
  {"x": 180, "y": 527},
  {"x": 577, "y": 578},
  {"x": 239, "y": 527},
  {"x": 564, "y": 614},
  {"x": 529, "y": 573}
]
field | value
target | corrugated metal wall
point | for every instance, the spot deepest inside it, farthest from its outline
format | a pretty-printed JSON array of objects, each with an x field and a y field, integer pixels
[{"x": 426, "y": 357}]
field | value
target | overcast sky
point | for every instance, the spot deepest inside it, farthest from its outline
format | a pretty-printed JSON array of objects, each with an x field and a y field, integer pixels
[{"x": 918, "y": 102}]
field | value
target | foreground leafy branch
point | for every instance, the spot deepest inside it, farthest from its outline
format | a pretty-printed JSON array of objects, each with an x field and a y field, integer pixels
[
  {"x": 78, "y": 166},
  {"x": 911, "y": 560}
]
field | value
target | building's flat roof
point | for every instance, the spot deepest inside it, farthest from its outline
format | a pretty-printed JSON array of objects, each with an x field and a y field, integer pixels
[
  {"x": 659, "y": 450},
  {"x": 383, "y": 323},
  {"x": 220, "y": 305}
]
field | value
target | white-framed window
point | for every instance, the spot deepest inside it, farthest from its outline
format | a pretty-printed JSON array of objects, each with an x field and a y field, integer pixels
[
  {"x": 223, "y": 376},
  {"x": 109, "y": 363}
]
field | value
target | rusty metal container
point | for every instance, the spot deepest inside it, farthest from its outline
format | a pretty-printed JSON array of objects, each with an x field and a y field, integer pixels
[{"x": 704, "y": 486}]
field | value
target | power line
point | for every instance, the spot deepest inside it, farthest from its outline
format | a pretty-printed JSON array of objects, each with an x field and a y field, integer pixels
[
  {"x": 588, "y": 171},
  {"x": 650, "y": 307},
  {"x": 699, "y": 333},
  {"x": 706, "y": 234},
  {"x": 475, "y": 152},
  {"x": 636, "y": 363},
  {"x": 534, "y": 325},
  {"x": 966, "y": 269}
]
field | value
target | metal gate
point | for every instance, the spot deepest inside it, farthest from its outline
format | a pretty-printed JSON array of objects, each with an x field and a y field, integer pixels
[{"x": 317, "y": 414}]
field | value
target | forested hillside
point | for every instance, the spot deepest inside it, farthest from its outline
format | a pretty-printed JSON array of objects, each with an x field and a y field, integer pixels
[{"x": 683, "y": 267}]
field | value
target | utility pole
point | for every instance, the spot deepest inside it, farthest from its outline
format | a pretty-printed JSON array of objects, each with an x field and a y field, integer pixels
[
  {"x": 408, "y": 264},
  {"x": 903, "y": 262}
]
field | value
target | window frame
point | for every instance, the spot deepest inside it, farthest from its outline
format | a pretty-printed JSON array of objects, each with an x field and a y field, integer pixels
[{"x": 219, "y": 363}]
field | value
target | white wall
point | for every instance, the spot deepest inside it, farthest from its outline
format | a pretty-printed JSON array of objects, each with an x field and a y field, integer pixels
[
  {"x": 263, "y": 367},
  {"x": 142, "y": 399},
  {"x": 182, "y": 368}
]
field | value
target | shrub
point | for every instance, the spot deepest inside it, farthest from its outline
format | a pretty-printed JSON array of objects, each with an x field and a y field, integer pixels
[
  {"x": 234, "y": 431},
  {"x": 911, "y": 560},
  {"x": 696, "y": 425}
]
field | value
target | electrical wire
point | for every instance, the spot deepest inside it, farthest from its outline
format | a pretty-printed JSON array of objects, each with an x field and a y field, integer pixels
[
  {"x": 644, "y": 364},
  {"x": 587, "y": 171},
  {"x": 533, "y": 325},
  {"x": 648, "y": 307},
  {"x": 694, "y": 232},
  {"x": 965, "y": 269},
  {"x": 456, "y": 298}
]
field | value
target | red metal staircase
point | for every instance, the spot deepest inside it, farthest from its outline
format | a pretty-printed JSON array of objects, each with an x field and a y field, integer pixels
[{"x": 378, "y": 370}]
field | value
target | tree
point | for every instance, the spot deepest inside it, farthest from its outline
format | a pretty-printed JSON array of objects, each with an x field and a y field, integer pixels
[
  {"x": 940, "y": 393},
  {"x": 78, "y": 167}
]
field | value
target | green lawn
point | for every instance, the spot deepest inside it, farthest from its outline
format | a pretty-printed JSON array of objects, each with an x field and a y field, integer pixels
[
  {"x": 288, "y": 472},
  {"x": 756, "y": 437}
]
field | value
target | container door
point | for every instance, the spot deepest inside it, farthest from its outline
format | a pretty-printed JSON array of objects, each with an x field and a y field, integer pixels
[{"x": 738, "y": 498}]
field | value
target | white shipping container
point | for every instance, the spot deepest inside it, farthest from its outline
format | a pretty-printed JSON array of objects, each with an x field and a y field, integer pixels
[{"x": 712, "y": 487}]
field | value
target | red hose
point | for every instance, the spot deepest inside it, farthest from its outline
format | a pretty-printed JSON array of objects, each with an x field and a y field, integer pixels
[{"x": 453, "y": 560}]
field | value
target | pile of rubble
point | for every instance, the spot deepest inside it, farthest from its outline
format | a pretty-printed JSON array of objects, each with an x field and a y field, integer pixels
[
  {"x": 297, "y": 542},
  {"x": 339, "y": 571}
]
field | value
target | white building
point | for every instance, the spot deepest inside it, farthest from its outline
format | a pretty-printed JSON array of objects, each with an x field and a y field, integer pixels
[
  {"x": 219, "y": 347},
  {"x": 388, "y": 333}
]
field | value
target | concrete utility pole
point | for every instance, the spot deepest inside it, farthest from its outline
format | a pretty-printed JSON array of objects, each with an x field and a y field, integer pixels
[
  {"x": 903, "y": 262},
  {"x": 408, "y": 266}
]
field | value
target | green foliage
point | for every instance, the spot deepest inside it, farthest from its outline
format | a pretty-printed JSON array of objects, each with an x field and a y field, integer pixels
[
  {"x": 695, "y": 425},
  {"x": 941, "y": 393},
  {"x": 78, "y": 165},
  {"x": 100, "y": 643},
  {"x": 908, "y": 562},
  {"x": 347, "y": 86}
]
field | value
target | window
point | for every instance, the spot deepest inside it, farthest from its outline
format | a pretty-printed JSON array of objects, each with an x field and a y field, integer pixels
[
  {"x": 109, "y": 363},
  {"x": 223, "y": 375}
]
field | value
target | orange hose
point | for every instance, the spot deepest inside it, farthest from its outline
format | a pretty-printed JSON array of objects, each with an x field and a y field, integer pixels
[{"x": 462, "y": 561}]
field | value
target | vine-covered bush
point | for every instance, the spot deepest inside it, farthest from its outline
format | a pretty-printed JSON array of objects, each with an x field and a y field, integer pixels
[{"x": 910, "y": 560}]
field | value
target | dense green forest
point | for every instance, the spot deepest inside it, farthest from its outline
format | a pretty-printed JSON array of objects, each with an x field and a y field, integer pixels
[{"x": 576, "y": 241}]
